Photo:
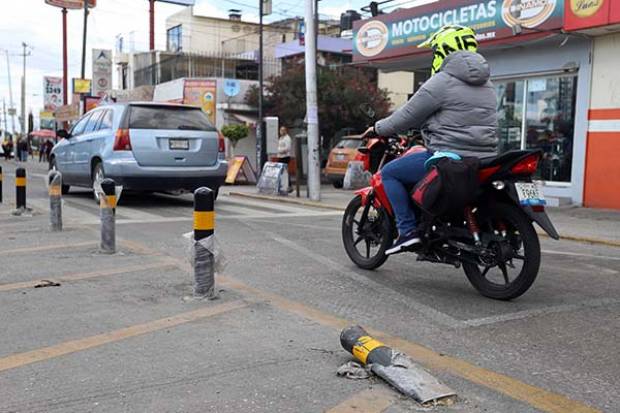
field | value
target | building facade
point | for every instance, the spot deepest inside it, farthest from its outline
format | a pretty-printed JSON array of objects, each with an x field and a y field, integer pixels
[{"x": 550, "y": 82}]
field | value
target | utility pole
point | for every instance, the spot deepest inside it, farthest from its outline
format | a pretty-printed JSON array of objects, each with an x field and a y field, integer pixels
[
  {"x": 312, "y": 116},
  {"x": 151, "y": 25},
  {"x": 23, "y": 111},
  {"x": 84, "y": 39},
  {"x": 261, "y": 141},
  {"x": 11, "y": 106},
  {"x": 6, "y": 128},
  {"x": 65, "y": 74}
]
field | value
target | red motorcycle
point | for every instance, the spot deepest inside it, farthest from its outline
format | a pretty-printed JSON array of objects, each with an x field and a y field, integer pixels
[{"x": 493, "y": 238}]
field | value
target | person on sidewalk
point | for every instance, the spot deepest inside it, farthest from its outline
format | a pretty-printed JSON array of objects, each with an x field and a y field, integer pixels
[
  {"x": 285, "y": 145},
  {"x": 456, "y": 112}
]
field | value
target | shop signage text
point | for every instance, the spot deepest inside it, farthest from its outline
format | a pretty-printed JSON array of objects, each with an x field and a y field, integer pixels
[
  {"x": 401, "y": 32},
  {"x": 586, "y": 14}
]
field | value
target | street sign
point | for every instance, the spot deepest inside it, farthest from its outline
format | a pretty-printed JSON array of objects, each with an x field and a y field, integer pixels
[
  {"x": 267, "y": 6},
  {"x": 81, "y": 86},
  {"x": 71, "y": 4},
  {"x": 12, "y": 111},
  {"x": 102, "y": 71},
  {"x": 232, "y": 87},
  {"x": 180, "y": 2},
  {"x": 67, "y": 112}
]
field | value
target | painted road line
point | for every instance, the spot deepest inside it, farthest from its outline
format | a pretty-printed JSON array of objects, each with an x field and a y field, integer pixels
[
  {"x": 286, "y": 200},
  {"x": 68, "y": 347},
  {"x": 578, "y": 254},
  {"x": 536, "y": 397},
  {"x": 48, "y": 248},
  {"x": 373, "y": 400},
  {"x": 88, "y": 275}
]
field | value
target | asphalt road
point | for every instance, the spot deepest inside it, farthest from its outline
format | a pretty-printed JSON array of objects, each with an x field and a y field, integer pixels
[{"x": 118, "y": 336}]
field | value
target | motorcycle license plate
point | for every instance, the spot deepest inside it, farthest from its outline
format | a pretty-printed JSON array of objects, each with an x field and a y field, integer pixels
[{"x": 530, "y": 193}]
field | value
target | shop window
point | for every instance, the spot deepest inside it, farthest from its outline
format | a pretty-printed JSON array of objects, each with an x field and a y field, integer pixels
[{"x": 539, "y": 113}]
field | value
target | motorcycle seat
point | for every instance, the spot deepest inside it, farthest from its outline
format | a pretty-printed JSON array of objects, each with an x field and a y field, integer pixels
[{"x": 504, "y": 158}]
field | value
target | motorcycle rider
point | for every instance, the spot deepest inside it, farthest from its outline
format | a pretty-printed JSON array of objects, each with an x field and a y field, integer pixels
[{"x": 455, "y": 111}]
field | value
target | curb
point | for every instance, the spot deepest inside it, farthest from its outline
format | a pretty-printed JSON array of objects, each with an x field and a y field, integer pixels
[
  {"x": 565, "y": 237},
  {"x": 285, "y": 200}
]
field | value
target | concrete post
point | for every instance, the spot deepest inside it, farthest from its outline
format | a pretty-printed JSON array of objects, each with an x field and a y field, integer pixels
[
  {"x": 204, "y": 228},
  {"x": 55, "y": 193}
]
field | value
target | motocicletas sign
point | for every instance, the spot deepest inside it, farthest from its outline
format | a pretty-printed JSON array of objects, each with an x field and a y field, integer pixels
[{"x": 399, "y": 33}]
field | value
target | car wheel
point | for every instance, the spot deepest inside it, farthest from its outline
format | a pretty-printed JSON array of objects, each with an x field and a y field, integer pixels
[
  {"x": 64, "y": 189},
  {"x": 98, "y": 177}
]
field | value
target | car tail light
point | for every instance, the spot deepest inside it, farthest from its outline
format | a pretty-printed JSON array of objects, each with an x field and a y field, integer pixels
[
  {"x": 221, "y": 143},
  {"x": 122, "y": 142},
  {"x": 526, "y": 166}
]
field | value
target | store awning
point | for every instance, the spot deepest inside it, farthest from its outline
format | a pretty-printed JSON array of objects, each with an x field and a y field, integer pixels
[
  {"x": 43, "y": 133},
  {"x": 248, "y": 120}
]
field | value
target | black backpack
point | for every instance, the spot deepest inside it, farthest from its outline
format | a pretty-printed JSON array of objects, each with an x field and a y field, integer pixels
[{"x": 449, "y": 185}]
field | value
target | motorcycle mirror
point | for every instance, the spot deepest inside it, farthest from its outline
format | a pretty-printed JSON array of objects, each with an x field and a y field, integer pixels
[{"x": 368, "y": 110}]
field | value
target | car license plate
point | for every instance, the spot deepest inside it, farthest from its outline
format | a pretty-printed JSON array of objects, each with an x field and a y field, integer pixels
[
  {"x": 529, "y": 193},
  {"x": 340, "y": 156},
  {"x": 179, "y": 144}
]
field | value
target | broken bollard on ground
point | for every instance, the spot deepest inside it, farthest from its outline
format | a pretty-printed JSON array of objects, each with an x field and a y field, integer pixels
[
  {"x": 396, "y": 368},
  {"x": 203, "y": 256}
]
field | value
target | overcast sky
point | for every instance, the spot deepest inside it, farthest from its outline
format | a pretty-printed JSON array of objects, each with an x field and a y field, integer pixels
[{"x": 40, "y": 26}]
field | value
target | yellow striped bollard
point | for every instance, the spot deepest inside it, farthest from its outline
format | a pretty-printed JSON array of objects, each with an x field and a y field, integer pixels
[
  {"x": 20, "y": 188},
  {"x": 204, "y": 228}
]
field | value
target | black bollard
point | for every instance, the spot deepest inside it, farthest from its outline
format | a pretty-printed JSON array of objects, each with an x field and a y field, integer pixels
[
  {"x": 0, "y": 184},
  {"x": 107, "y": 205},
  {"x": 204, "y": 228},
  {"x": 20, "y": 188}
]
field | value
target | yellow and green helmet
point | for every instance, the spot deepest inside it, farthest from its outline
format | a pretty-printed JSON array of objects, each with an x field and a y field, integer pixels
[{"x": 448, "y": 39}]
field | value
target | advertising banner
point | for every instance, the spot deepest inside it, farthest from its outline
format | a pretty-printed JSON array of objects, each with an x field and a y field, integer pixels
[
  {"x": 67, "y": 113},
  {"x": 71, "y": 4},
  {"x": 102, "y": 71},
  {"x": 587, "y": 14},
  {"x": 399, "y": 33},
  {"x": 46, "y": 120},
  {"x": 201, "y": 93},
  {"x": 81, "y": 86},
  {"x": 52, "y": 93}
]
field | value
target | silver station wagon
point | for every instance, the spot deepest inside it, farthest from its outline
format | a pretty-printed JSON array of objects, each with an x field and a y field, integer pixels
[{"x": 149, "y": 147}]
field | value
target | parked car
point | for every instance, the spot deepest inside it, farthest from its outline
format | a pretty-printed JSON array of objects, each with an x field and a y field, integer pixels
[
  {"x": 149, "y": 147},
  {"x": 340, "y": 155}
]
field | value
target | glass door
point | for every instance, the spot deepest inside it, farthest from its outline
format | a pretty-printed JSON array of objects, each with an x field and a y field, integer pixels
[{"x": 539, "y": 113}]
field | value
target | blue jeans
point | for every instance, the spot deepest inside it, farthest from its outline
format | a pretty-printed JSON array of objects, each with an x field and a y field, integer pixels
[{"x": 399, "y": 177}]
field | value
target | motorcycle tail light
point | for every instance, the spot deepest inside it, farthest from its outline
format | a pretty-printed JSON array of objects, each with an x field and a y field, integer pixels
[
  {"x": 527, "y": 166},
  {"x": 122, "y": 142}
]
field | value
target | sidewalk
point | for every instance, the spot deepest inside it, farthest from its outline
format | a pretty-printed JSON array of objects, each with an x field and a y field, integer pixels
[{"x": 572, "y": 222}]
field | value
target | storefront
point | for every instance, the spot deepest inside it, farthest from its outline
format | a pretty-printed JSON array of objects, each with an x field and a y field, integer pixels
[{"x": 542, "y": 77}]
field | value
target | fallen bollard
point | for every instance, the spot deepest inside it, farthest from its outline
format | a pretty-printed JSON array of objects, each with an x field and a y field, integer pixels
[
  {"x": 20, "y": 188},
  {"x": 395, "y": 368},
  {"x": 107, "y": 206},
  {"x": 203, "y": 258},
  {"x": 54, "y": 179}
]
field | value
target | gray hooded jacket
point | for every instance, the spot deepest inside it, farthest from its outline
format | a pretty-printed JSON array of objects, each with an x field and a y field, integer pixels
[{"x": 455, "y": 109}]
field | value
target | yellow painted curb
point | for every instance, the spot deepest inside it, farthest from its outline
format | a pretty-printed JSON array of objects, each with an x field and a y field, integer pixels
[{"x": 587, "y": 240}]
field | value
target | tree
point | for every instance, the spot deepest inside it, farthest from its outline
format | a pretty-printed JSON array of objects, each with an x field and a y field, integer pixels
[
  {"x": 235, "y": 132},
  {"x": 340, "y": 93}
]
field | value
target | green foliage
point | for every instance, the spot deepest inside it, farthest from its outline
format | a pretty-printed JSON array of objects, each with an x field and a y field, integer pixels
[
  {"x": 340, "y": 94},
  {"x": 235, "y": 132}
]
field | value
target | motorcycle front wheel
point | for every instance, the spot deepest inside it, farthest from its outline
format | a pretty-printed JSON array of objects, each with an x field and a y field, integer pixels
[
  {"x": 366, "y": 234},
  {"x": 514, "y": 276}
]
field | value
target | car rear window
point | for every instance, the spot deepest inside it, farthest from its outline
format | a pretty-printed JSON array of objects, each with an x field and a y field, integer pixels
[
  {"x": 349, "y": 144},
  {"x": 161, "y": 117}
]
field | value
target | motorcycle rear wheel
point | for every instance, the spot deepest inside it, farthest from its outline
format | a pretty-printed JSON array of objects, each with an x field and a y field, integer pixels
[
  {"x": 375, "y": 236},
  {"x": 523, "y": 235}
]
